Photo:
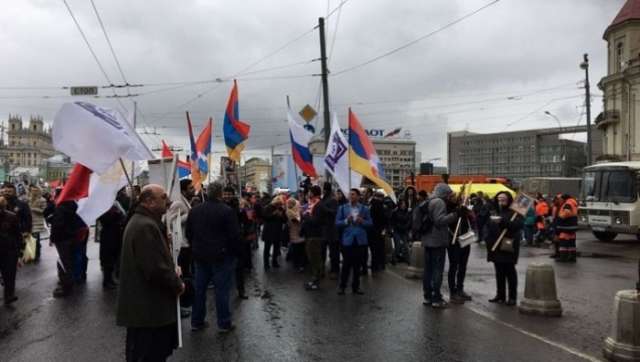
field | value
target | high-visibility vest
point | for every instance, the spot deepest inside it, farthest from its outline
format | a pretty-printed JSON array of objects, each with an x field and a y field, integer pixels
[{"x": 567, "y": 220}]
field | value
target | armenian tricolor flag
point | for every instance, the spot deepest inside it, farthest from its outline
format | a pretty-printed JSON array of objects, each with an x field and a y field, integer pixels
[
  {"x": 196, "y": 177},
  {"x": 203, "y": 148},
  {"x": 235, "y": 131},
  {"x": 184, "y": 168},
  {"x": 363, "y": 158}
]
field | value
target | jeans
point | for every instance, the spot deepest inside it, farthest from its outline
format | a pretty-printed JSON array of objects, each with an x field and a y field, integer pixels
[
  {"x": 433, "y": 270},
  {"x": 266, "y": 253},
  {"x": 8, "y": 266},
  {"x": 222, "y": 276},
  {"x": 334, "y": 254},
  {"x": 458, "y": 259},
  {"x": 80, "y": 261},
  {"x": 506, "y": 273},
  {"x": 529, "y": 231},
  {"x": 400, "y": 240},
  {"x": 298, "y": 254},
  {"x": 38, "y": 245},
  {"x": 352, "y": 260}
]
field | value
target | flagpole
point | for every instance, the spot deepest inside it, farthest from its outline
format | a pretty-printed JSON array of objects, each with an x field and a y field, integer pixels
[
  {"x": 348, "y": 146},
  {"x": 210, "y": 152},
  {"x": 295, "y": 167},
  {"x": 135, "y": 119}
]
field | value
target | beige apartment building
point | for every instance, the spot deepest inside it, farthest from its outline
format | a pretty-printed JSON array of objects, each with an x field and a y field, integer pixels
[
  {"x": 26, "y": 146},
  {"x": 255, "y": 173},
  {"x": 397, "y": 155},
  {"x": 621, "y": 86}
]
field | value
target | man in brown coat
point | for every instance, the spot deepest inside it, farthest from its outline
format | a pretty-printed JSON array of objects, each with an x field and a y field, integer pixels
[{"x": 149, "y": 282}]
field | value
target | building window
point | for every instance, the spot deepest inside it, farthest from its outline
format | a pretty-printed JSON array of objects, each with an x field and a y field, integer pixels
[{"x": 619, "y": 52}]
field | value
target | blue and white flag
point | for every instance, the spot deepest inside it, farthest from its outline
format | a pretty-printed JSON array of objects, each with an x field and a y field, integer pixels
[{"x": 336, "y": 160}]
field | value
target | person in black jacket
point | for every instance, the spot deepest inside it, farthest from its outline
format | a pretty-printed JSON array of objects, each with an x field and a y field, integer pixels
[
  {"x": 11, "y": 247},
  {"x": 458, "y": 257},
  {"x": 66, "y": 234},
  {"x": 376, "y": 238},
  {"x": 328, "y": 210},
  {"x": 244, "y": 249},
  {"x": 213, "y": 231},
  {"x": 504, "y": 259},
  {"x": 112, "y": 225},
  {"x": 313, "y": 232},
  {"x": 401, "y": 224},
  {"x": 18, "y": 207},
  {"x": 274, "y": 217}
]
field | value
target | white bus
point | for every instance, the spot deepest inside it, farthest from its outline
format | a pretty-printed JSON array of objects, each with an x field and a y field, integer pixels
[{"x": 609, "y": 199}]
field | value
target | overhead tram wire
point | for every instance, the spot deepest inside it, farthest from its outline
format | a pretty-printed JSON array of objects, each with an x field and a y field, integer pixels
[
  {"x": 86, "y": 41},
  {"x": 415, "y": 41},
  {"x": 95, "y": 57},
  {"x": 113, "y": 53},
  {"x": 245, "y": 69},
  {"x": 116, "y": 60}
]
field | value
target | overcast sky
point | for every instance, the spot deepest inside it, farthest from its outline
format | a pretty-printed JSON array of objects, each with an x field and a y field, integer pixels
[{"x": 499, "y": 69}]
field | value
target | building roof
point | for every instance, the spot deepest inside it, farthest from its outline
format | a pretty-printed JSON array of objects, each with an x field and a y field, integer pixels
[{"x": 630, "y": 11}]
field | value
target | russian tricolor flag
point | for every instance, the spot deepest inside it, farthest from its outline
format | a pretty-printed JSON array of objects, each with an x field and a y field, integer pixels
[{"x": 300, "y": 139}]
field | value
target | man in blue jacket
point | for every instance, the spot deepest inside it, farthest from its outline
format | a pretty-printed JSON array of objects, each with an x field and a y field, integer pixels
[{"x": 354, "y": 219}]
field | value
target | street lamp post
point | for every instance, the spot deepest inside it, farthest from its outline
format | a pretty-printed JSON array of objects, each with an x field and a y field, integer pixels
[
  {"x": 554, "y": 117},
  {"x": 585, "y": 65}
]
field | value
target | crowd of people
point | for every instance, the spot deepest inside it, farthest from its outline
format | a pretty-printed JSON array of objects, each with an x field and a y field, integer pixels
[{"x": 332, "y": 238}]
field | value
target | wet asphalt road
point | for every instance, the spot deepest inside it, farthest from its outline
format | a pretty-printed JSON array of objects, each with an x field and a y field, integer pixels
[{"x": 282, "y": 322}]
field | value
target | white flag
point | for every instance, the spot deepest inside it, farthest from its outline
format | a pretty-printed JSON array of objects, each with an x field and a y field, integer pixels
[
  {"x": 336, "y": 160},
  {"x": 96, "y": 137},
  {"x": 103, "y": 190}
]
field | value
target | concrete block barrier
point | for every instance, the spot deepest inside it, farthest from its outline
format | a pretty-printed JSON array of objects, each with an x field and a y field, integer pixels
[{"x": 540, "y": 295}]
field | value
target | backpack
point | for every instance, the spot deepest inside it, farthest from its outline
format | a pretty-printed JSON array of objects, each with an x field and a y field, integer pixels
[{"x": 426, "y": 222}]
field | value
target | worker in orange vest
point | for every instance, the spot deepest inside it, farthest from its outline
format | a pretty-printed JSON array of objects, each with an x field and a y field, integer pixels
[
  {"x": 566, "y": 227},
  {"x": 542, "y": 211}
]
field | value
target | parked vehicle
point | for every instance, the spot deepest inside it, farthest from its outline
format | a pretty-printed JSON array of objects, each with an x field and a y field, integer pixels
[{"x": 610, "y": 204}]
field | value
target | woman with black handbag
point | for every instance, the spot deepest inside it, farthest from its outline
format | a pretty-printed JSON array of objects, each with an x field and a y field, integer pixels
[{"x": 505, "y": 227}]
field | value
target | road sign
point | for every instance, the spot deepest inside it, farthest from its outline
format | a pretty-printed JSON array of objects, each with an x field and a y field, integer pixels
[
  {"x": 84, "y": 91},
  {"x": 308, "y": 113}
]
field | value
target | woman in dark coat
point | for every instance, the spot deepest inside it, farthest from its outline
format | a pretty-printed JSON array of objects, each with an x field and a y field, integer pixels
[
  {"x": 112, "y": 225},
  {"x": 274, "y": 218},
  {"x": 504, "y": 260}
]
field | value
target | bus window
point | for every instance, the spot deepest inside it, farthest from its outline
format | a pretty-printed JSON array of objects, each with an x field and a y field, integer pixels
[
  {"x": 589, "y": 187},
  {"x": 618, "y": 187}
]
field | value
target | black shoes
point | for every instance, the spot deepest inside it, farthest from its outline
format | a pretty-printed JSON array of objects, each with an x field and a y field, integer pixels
[
  {"x": 498, "y": 300},
  {"x": 9, "y": 300},
  {"x": 60, "y": 292},
  {"x": 511, "y": 302},
  {"x": 199, "y": 327},
  {"x": 466, "y": 297},
  {"x": 341, "y": 291},
  {"x": 358, "y": 292}
]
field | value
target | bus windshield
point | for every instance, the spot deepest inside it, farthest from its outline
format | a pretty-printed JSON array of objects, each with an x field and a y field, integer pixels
[{"x": 609, "y": 186}]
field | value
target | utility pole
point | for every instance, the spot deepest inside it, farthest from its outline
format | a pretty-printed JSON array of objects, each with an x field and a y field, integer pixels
[
  {"x": 587, "y": 90},
  {"x": 325, "y": 87}
]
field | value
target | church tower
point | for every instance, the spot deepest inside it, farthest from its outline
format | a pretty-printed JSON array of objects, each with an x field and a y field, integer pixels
[{"x": 621, "y": 85}]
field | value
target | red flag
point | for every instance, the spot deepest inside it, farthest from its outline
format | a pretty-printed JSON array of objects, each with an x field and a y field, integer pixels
[
  {"x": 77, "y": 186},
  {"x": 166, "y": 151}
]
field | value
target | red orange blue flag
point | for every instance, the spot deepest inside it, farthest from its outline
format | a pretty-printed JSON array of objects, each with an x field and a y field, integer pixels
[
  {"x": 203, "y": 148},
  {"x": 363, "y": 158},
  {"x": 196, "y": 178},
  {"x": 235, "y": 131}
]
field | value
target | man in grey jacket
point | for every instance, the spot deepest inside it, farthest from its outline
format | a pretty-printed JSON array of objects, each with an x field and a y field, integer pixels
[{"x": 435, "y": 241}]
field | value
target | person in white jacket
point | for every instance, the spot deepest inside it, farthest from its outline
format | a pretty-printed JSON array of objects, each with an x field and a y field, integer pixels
[{"x": 181, "y": 206}]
